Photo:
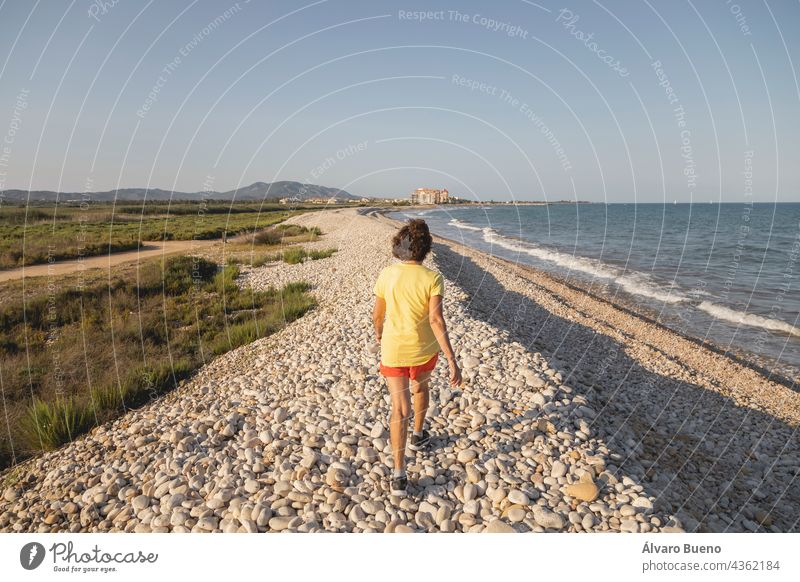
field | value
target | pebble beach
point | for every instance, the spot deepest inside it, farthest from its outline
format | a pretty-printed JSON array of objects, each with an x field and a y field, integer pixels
[{"x": 575, "y": 415}]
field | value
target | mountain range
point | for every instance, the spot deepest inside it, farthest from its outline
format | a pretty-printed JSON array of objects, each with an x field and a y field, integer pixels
[{"x": 255, "y": 191}]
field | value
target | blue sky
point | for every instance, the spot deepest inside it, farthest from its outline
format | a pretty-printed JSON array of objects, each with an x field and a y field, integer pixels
[{"x": 503, "y": 100}]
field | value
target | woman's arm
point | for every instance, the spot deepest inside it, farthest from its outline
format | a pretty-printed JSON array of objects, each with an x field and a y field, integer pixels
[
  {"x": 378, "y": 313},
  {"x": 436, "y": 318}
]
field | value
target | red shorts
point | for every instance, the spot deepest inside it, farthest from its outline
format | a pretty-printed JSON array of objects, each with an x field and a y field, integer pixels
[{"x": 409, "y": 371}]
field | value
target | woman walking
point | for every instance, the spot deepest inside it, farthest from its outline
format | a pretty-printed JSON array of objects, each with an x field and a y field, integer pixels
[{"x": 410, "y": 326}]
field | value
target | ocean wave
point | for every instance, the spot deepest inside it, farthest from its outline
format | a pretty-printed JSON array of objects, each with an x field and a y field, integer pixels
[
  {"x": 634, "y": 283},
  {"x": 750, "y": 319},
  {"x": 457, "y": 223}
]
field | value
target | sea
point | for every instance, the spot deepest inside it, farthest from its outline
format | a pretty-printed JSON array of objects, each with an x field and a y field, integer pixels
[{"x": 727, "y": 274}]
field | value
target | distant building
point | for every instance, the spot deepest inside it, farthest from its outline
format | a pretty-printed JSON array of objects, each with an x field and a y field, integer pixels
[{"x": 429, "y": 196}]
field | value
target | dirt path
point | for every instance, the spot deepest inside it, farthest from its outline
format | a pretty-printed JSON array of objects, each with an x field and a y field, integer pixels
[{"x": 147, "y": 251}]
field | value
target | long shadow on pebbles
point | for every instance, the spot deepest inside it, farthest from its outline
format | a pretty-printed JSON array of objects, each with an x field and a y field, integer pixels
[{"x": 717, "y": 466}]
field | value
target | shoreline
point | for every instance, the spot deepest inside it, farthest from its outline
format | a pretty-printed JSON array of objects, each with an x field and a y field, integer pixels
[
  {"x": 558, "y": 427},
  {"x": 630, "y": 307}
]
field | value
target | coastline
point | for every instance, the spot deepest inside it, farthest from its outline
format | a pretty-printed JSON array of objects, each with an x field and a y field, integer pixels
[
  {"x": 559, "y": 427},
  {"x": 533, "y": 273}
]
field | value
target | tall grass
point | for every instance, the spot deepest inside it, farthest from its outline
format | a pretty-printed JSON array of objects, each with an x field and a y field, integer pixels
[
  {"x": 51, "y": 424},
  {"x": 88, "y": 355}
]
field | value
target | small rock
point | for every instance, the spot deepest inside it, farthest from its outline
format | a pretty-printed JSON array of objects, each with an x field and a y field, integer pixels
[
  {"x": 499, "y": 526},
  {"x": 470, "y": 362},
  {"x": 140, "y": 502},
  {"x": 518, "y": 497},
  {"x": 309, "y": 460},
  {"x": 583, "y": 490},
  {"x": 470, "y": 492},
  {"x": 763, "y": 517},
  {"x": 588, "y": 521},
  {"x": 208, "y": 523},
  {"x": 559, "y": 470},
  {"x": 280, "y": 523},
  {"x": 546, "y": 518},
  {"x": 369, "y": 455},
  {"x": 472, "y": 507},
  {"x": 282, "y": 488},
  {"x": 466, "y": 455}
]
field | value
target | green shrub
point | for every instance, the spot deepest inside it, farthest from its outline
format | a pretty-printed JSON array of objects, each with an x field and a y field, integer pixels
[
  {"x": 49, "y": 425},
  {"x": 262, "y": 260},
  {"x": 294, "y": 256},
  {"x": 321, "y": 254},
  {"x": 295, "y": 288},
  {"x": 225, "y": 280},
  {"x": 269, "y": 236}
]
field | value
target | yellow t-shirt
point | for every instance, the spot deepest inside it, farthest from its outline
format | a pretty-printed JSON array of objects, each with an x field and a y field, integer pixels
[{"x": 408, "y": 339}]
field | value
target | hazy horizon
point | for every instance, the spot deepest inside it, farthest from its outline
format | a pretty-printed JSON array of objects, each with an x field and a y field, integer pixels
[{"x": 595, "y": 101}]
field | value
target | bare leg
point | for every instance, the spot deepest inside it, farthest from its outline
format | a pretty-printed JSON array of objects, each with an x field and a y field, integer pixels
[
  {"x": 398, "y": 425},
  {"x": 421, "y": 389}
]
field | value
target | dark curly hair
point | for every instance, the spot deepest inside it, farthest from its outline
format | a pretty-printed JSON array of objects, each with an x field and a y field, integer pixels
[{"x": 413, "y": 241}]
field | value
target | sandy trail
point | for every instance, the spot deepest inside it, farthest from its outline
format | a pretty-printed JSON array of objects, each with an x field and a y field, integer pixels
[{"x": 147, "y": 251}]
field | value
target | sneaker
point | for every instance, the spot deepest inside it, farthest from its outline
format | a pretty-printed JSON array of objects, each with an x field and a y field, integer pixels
[
  {"x": 419, "y": 442},
  {"x": 399, "y": 485}
]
